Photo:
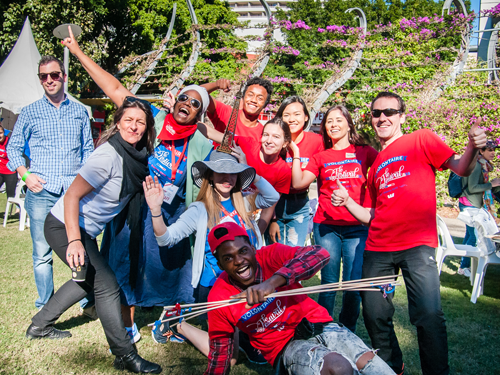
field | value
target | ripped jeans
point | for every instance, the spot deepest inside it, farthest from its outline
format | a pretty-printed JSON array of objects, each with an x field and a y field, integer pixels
[
  {"x": 305, "y": 357},
  {"x": 292, "y": 216}
]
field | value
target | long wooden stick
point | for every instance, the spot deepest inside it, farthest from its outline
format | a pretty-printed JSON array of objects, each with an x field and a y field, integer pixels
[
  {"x": 389, "y": 278},
  {"x": 358, "y": 286}
]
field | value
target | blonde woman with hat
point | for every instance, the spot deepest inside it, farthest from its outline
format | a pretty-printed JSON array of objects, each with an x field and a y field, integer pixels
[{"x": 221, "y": 181}]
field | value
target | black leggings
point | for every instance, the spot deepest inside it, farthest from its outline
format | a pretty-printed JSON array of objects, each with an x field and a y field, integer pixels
[
  {"x": 100, "y": 278},
  {"x": 10, "y": 183}
]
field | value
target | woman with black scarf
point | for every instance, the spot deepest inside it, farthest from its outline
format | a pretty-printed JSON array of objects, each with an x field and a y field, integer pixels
[{"x": 111, "y": 179}]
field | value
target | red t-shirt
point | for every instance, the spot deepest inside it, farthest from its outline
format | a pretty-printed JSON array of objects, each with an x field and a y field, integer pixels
[
  {"x": 351, "y": 167},
  {"x": 278, "y": 174},
  {"x": 402, "y": 189},
  {"x": 221, "y": 117},
  {"x": 310, "y": 145},
  {"x": 3, "y": 158},
  {"x": 271, "y": 324}
]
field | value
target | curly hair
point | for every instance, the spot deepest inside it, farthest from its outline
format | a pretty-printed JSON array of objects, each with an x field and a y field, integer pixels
[{"x": 261, "y": 82}]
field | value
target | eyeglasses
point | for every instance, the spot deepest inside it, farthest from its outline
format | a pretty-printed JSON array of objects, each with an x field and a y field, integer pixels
[
  {"x": 54, "y": 75},
  {"x": 194, "y": 102},
  {"x": 388, "y": 112},
  {"x": 132, "y": 99}
]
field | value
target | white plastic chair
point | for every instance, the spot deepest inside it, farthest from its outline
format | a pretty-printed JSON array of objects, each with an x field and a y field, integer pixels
[
  {"x": 485, "y": 226},
  {"x": 19, "y": 201},
  {"x": 447, "y": 247}
]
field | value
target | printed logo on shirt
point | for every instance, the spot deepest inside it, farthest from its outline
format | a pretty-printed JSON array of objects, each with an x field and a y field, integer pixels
[
  {"x": 339, "y": 173},
  {"x": 268, "y": 321},
  {"x": 385, "y": 179},
  {"x": 390, "y": 161}
]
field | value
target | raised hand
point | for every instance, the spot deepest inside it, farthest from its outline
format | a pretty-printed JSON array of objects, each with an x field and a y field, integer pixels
[
  {"x": 153, "y": 192},
  {"x": 169, "y": 102},
  {"x": 71, "y": 42},
  {"x": 223, "y": 84},
  {"x": 477, "y": 136},
  {"x": 340, "y": 196}
]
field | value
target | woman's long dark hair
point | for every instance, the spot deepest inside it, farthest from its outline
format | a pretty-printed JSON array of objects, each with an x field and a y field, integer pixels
[
  {"x": 354, "y": 137},
  {"x": 287, "y": 134},
  {"x": 148, "y": 139},
  {"x": 290, "y": 100}
]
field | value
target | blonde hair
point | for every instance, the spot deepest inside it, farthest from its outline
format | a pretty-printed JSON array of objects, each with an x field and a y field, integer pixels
[{"x": 211, "y": 199}]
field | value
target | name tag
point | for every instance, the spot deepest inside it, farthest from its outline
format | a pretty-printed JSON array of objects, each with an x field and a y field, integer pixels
[
  {"x": 169, "y": 192},
  {"x": 350, "y": 155}
]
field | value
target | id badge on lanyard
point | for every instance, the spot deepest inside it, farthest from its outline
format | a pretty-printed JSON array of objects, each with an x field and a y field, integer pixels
[{"x": 169, "y": 189}]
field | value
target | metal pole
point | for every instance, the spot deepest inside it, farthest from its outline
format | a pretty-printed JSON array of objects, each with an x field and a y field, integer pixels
[
  {"x": 481, "y": 70},
  {"x": 485, "y": 30},
  {"x": 66, "y": 68}
]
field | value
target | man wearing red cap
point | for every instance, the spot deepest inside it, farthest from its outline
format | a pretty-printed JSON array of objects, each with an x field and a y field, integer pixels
[{"x": 294, "y": 333}]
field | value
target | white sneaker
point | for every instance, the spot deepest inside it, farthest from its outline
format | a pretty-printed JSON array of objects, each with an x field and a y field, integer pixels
[
  {"x": 134, "y": 333},
  {"x": 464, "y": 272}
]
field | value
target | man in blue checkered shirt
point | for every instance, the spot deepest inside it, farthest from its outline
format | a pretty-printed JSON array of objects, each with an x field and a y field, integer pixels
[{"x": 58, "y": 134}]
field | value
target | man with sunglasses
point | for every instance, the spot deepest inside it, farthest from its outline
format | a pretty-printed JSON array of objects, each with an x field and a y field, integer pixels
[
  {"x": 256, "y": 96},
  {"x": 58, "y": 134},
  {"x": 400, "y": 209}
]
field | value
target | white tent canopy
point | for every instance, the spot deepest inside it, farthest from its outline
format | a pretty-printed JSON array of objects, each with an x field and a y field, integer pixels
[{"x": 19, "y": 83}]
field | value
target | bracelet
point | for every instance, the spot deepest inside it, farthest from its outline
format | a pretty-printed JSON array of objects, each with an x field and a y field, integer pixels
[
  {"x": 78, "y": 239},
  {"x": 25, "y": 176},
  {"x": 296, "y": 158},
  {"x": 156, "y": 215}
]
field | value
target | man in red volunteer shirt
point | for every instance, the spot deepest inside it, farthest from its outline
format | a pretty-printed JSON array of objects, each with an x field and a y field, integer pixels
[
  {"x": 400, "y": 208},
  {"x": 256, "y": 96},
  {"x": 293, "y": 333}
]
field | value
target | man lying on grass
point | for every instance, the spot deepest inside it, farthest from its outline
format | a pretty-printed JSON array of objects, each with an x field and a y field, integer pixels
[{"x": 294, "y": 333}]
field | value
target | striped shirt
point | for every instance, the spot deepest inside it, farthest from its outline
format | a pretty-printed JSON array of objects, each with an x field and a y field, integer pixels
[{"x": 59, "y": 140}]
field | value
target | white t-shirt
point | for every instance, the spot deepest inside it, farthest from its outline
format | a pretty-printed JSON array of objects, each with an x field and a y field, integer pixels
[{"x": 104, "y": 171}]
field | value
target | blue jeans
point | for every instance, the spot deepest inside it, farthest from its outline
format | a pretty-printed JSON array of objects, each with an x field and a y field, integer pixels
[
  {"x": 293, "y": 218},
  {"x": 38, "y": 206},
  {"x": 469, "y": 239},
  {"x": 346, "y": 243}
]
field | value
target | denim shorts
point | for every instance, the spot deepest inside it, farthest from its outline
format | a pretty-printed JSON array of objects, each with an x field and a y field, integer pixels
[{"x": 305, "y": 357}]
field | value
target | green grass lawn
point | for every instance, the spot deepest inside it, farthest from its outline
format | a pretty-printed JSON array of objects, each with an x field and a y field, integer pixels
[{"x": 473, "y": 329}]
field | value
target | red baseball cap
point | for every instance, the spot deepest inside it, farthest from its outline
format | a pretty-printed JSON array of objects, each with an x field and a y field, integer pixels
[{"x": 224, "y": 232}]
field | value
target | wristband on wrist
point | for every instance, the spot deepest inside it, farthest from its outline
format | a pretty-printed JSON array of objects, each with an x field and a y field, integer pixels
[
  {"x": 25, "y": 176},
  {"x": 296, "y": 157},
  {"x": 156, "y": 215},
  {"x": 78, "y": 239}
]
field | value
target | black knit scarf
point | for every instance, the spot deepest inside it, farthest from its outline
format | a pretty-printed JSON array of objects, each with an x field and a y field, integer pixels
[{"x": 135, "y": 170}]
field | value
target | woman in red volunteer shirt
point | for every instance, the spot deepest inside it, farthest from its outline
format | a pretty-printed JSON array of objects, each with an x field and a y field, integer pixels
[
  {"x": 6, "y": 175},
  {"x": 292, "y": 210},
  {"x": 345, "y": 161},
  {"x": 266, "y": 156}
]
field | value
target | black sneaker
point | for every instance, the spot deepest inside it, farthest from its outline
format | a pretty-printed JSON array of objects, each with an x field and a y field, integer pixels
[{"x": 253, "y": 355}]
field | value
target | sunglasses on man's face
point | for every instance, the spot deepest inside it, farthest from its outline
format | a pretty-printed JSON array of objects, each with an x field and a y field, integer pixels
[
  {"x": 184, "y": 98},
  {"x": 388, "y": 112},
  {"x": 54, "y": 75}
]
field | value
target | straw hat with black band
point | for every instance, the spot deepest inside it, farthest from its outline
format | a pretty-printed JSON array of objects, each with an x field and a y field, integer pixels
[{"x": 221, "y": 162}]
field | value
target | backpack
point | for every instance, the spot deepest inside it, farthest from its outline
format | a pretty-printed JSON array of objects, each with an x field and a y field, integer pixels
[{"x": 455, "y": 188}]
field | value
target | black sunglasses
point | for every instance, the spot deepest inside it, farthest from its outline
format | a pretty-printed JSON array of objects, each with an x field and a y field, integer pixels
[
  {"x": 194, "y": 102},
  {"x": 388, "y": 112},
  {"x": 54, "y": 75}
]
